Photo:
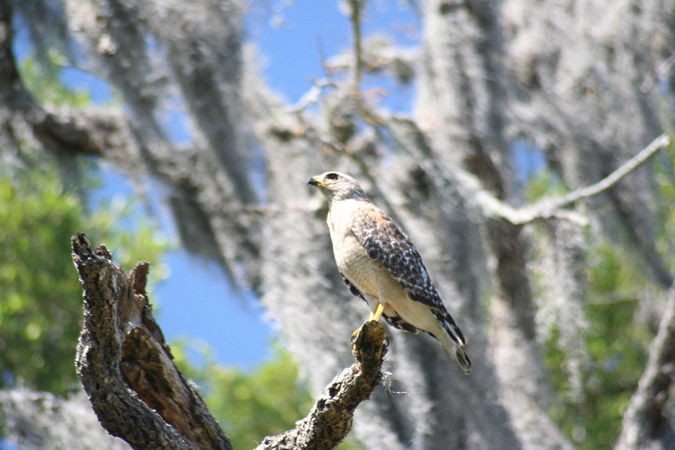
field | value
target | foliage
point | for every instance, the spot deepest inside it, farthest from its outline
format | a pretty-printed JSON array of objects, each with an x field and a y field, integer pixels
[
  {"x": 40, "y": 308},
  {"x": 545, "y": 183},
  {"x": 249, "y": 405},
  {"x": 40, "y": 296},
  {"x": 46, "y": 86},
  {"x": 616, "y": 344}
]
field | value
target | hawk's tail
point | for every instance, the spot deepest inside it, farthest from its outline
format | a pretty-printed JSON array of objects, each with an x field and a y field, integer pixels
[
  {"x": 452, "y": 341},
  {"x": 457, "y": 355}
]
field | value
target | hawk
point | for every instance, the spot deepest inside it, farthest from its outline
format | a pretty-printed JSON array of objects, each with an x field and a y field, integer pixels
[{"x": 380, "y": 264}]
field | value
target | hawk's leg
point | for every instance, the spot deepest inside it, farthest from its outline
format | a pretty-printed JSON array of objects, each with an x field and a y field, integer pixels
[
  {"x": 375, "y": 315},
  {"x": 378, "y": 312}
]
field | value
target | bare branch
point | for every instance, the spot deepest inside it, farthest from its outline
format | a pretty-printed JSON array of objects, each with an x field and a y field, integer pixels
[
  {"x": 645, "y": 423},
  {"x": 127, "y": 371},
  {"x": 330, "y": 420},
  {"x": 357, "y": 66},
  {"x": 312, "y": 96},
  {"x": 548, "y": 208}
]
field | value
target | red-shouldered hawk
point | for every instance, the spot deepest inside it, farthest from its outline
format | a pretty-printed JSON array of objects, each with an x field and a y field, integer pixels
[{"x": 380, "y": 264}]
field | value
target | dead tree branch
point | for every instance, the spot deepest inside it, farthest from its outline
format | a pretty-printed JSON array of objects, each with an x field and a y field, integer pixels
[
  {"x": 137, "y": 392},
  {"x": 125, "y": 366},
  {"x": 646, "y": 424},
  {"x": 330, "y": 420}
]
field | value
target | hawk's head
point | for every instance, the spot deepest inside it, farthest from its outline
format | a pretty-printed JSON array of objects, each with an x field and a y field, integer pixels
[{"x": 337, "y": 186}]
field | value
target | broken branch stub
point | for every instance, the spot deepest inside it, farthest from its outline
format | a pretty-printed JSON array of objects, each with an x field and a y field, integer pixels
[{"x": 125, "y": 365}]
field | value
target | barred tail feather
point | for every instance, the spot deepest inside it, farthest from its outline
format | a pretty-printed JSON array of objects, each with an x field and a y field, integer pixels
[
  {"x": 457, "y": 354},
  {"x": 452, "y": 341}
]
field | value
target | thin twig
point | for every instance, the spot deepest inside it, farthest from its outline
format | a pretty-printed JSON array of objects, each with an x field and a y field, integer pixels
[
  {"x": 549, "y": 207},
  {"x": 312, "y": 96},
  {"x": 357, "y": 67}
]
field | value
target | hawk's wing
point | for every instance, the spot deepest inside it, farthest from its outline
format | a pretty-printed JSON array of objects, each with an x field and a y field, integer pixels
[{"x": 387, "y": 244}]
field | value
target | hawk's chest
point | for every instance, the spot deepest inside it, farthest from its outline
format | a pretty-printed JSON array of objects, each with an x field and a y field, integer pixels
[{"x": 350, "y": 255}]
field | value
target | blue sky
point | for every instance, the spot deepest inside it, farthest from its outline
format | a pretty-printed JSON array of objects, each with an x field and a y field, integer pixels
[
  {"x": 288, "y": 38},
  {"x": 292, "y": 36},
  {"x": 196, "y": 302}
]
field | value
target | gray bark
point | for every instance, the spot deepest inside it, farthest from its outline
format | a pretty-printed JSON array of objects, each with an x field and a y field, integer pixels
[{"x": 584, "y": 81}]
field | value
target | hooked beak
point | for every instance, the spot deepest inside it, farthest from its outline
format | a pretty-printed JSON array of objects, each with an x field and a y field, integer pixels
[{"x": 314, "y": 181}]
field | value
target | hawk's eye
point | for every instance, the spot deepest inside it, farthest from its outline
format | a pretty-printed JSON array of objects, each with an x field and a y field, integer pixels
[{"x": 332, "y": 176}]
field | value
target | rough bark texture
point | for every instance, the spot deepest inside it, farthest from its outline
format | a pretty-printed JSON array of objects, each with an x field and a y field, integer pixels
[
  {"x": 138, "y": 394},
  {"x": 330, "y": 419},
  {"x": 586, "y": 82},
  {"x": 126, "y": 367}
]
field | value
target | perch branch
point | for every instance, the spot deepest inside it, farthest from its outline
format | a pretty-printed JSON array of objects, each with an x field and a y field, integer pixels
[
  {"x": 330, "y": 420},
  {"x": 646, "y": 423},
  {"x": 139, "y": 395}
]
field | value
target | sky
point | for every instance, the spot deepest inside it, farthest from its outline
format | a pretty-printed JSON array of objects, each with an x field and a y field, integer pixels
[
  {"x": 293, "y": 37},
  {"x": 196, "y": 302}
]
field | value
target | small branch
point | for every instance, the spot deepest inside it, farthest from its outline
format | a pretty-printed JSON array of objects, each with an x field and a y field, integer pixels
[
  {"x": 548, "y": 208},
  {"x": 330, "y": 420},
  {"x": 646, "y": 423},
  {"x": 357, "y": 67},
  {"x": 312, "y": 96}
]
